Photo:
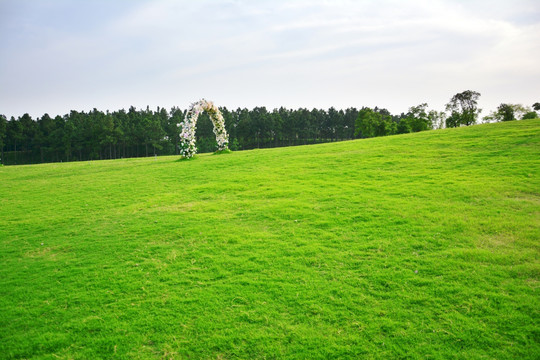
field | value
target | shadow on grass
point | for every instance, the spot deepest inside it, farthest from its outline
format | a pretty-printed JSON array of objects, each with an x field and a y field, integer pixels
[
  {"x": 221, "y": 152},
  {"x": 182, "y": 159}
]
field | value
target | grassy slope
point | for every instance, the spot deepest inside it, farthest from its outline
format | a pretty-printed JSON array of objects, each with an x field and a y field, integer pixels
[{"x": 422, "y": 245}]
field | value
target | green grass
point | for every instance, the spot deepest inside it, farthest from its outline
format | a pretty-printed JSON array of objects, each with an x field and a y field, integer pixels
[{"x": 415, "y": 246}]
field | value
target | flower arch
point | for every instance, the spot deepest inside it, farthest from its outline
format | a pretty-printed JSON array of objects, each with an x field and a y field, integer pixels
[{"x": 189, "y": 125}]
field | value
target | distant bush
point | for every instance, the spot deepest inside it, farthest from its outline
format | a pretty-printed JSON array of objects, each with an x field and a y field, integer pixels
[{"x": 530, "y": 115}]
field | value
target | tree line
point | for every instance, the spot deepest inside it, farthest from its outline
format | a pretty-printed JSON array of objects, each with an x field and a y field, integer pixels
[{"x": 96, "y": 135}]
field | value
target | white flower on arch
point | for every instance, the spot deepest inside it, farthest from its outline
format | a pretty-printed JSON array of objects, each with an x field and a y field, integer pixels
[{"x": 189, "y": 125}]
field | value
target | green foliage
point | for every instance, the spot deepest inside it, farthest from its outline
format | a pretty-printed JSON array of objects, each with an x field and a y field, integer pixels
[
  {"x": 510, "y": 112},
  {"x": 437, "y": 119},
  {"x": 3, "y": 134},
  {"x": 530, "y": 115},
  {"x": 80, "y": 136},
  {"x": 379, "y": 122},
  {"x": 404, "y": 127},
  {"x": 415, "y": 246},
  {"x": 371, "y": 123},
  {"x": 463, "y": 109},
  {"x": 234, "y": 145},
  {"x": 418, "y": 118},
  {"x": 506, "y": 112}
]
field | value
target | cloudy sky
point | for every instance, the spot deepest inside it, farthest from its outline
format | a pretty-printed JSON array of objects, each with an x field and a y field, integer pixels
[{"x": 59, "y": 55}]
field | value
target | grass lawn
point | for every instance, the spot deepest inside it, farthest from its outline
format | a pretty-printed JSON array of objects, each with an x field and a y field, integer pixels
[{"x": 415, "y": 246}]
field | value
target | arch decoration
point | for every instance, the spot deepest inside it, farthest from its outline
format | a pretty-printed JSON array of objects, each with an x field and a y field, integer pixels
[{"x": 189, "y": 125}]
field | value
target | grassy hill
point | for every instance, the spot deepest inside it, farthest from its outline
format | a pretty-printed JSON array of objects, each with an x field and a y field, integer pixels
[{"x": 415, "y": 246}]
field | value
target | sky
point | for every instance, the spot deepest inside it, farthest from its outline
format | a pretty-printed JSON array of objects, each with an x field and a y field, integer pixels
[{"x": 62, "y": 55}]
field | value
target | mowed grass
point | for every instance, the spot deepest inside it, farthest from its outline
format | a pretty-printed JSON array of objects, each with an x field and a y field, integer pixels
[{"x": 416, "y": 246}]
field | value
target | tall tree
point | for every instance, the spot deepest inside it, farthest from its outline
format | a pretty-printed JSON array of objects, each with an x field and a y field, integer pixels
[
  {"x": 437, "y": 119},
  {"x": 151, "y": 131},
  {"x": 98, "y": 132},
  {"x": 204, "y": 133},
  {"x": 374, "y": 122},
  {"x": 349, "y": 119},
  {"x": 244, "y": 127},
  {"x": 331, "y": 124},
  {"x": 3, "y": 134},
  {"x": 14, "y": 136},
  {"x": 77, "y": 119},
  {"x": 418, "y": 118},
  {"x": 463, "y": 108},
  {"x": 509, "y": 112},
  {"x": 261, "y": 126},
  {"x": 506, "y": 112},
  {"x": 65, "y": 133},
  {"x": 300, "y": 122},
  {"x": 108, "y": 138},
  {"x": 135, "y": 130},
  {"x": 120, "y": 122},
  {"x": 45, "y": 129},
  {"x": 365, "y": 123},
  {"x": 29, "y": 131}
]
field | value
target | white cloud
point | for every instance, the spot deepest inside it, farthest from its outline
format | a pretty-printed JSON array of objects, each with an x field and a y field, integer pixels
[{"x": 293, "y": 53}]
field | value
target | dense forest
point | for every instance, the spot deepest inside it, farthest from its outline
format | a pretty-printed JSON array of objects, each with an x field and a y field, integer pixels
[
  {"x": 144, "y": 132},
  {"x": 95, "y": 135}
]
